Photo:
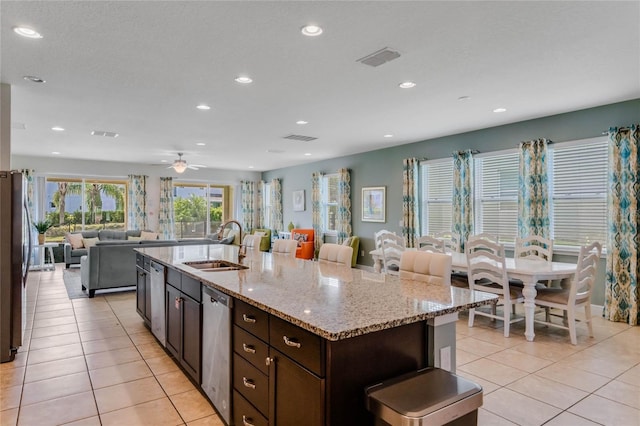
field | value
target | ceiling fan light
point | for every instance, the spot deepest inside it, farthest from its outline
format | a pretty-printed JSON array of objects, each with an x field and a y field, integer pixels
[{"x": 179, "y": 166}]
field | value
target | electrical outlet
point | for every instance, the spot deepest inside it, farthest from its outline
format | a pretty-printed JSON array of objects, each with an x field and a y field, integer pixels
[
  {"x": 361, "y": 252},
  {"x": 445, "y": 358}
]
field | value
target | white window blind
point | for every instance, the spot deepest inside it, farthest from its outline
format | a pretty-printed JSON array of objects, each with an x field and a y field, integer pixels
[
  {"x": 330, "y": 202},
  {"x": 496, "y": 195},
  {"x": 266, "y": 205},
  {"x": 436, "y": 189},
  {"x": 578, "y": 184}
]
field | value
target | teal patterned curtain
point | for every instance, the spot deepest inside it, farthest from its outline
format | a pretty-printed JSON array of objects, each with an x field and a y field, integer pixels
[
  {"x": 137, "y": 202},
  {"x": 533, "y": 197},
  {"x": 260, "y": 204},
  {"x": 247, "y": 194},
  {"x": 316, "y": 207},
  {"x": 276, "y": 205},
  {"x": 166, "y": 221},
  {"x": 343, "y": 217},
  {"x": 622, "y": 296},
  {"x": 462, "y": 199},
  {"x": 410, "y": 216}
]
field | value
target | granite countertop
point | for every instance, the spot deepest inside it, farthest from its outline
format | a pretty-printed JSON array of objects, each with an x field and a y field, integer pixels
[{"x": 334, "y": 302}]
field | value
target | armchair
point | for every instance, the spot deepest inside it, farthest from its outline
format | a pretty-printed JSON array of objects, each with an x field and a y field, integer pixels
[{"x": 306, "y": 247}]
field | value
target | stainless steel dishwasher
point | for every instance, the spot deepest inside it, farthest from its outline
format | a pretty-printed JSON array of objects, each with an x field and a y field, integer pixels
[
  {"x": 158, "y": 326},
  {"x": 216, "y": 349}
]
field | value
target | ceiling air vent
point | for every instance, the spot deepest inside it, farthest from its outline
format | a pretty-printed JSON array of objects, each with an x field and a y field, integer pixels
[
  {"x": 379, "y": 57},
  {"x": 300, "y": 138},
  {"x": 105, "y": 134}
]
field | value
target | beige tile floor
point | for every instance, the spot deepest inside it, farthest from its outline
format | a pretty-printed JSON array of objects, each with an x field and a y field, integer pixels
[{"x": 92, "y": 362}]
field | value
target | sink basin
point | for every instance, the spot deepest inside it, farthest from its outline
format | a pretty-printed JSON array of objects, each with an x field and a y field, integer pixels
[{"x": 215, "y": 265}]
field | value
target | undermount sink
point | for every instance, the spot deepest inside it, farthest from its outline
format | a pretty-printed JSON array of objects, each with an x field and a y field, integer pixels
[{"x": 215, "y": 265}]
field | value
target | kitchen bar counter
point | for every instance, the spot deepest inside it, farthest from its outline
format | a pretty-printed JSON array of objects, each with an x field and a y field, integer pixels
[{"x": 333, "y": 302}]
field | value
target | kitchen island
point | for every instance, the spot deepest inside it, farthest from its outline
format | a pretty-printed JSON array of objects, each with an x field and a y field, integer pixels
[{"x": 308, "y": 337}]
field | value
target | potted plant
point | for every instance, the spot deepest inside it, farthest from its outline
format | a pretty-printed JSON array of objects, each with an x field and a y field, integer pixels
[{"x": 42, "y": 227}]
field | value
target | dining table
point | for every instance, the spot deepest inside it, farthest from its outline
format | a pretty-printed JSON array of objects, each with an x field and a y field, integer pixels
[{"x": 529, "y": 271}]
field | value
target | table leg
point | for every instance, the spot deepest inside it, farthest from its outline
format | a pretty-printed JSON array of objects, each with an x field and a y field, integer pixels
[
  {"x": 529, "y": 292},
  {"x": 51, "y": 265}
]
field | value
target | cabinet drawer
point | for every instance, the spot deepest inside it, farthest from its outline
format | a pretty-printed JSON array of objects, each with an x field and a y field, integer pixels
[
  {"x": 300, "y": 345},
  {"x": 191, "y": 287},
  {"x": 251, "y": 348},
  {"x": 251, "y": 319},
  {"x": 251, "y": 383},
  {"x": 245, "y": 414},
  {"x": 174, "y": 278},
  {"x": 139, "y": 260}
]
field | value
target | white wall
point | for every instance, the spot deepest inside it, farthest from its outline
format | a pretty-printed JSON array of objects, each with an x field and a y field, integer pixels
[{"x": 61, "y": 167}]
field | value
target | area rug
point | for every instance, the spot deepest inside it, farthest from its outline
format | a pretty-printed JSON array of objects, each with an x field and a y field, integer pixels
[{"x": 71, "y": 278}]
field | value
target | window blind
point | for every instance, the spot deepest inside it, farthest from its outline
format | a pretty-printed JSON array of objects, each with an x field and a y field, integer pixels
[{"x": 436, "y": 189}]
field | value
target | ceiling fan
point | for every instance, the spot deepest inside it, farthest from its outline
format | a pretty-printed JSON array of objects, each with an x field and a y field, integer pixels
[{"x": 181, "y": 165}]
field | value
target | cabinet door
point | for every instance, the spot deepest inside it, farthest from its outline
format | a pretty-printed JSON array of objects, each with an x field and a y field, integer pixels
[
  {"x": 147, "y": 296},
  {"x": 141, "y": 293},
  {"x": 297, "y": 395},
  {"x": 191, "y": 348},
  {"x": 174, "y": 321}
]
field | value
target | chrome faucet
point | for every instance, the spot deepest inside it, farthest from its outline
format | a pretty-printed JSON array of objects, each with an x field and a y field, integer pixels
[{"x": 242, "y": 250}]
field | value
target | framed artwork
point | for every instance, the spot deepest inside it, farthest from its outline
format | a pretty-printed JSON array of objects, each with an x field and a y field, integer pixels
[
  {"x": 373, "y": 204},
  {"x": 298, "y": 201}
]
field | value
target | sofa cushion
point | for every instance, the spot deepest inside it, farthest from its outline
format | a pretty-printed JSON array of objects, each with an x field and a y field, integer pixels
[
  {"x": 132, "y": 238},
  {"x": 146, "y": 235},
  {"x": 75, "y": 240},
  {"x": 111, "y": 234},
  {"x": 88, "y": 242}
]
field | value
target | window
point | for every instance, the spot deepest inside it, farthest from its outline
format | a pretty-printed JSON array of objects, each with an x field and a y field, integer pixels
[
  {"x": 199, "y": 209},
  {"x": 266, "y": 206},
  {"x": 578, "y": 189},
  {"x": 496, "y": 194},
  {"x": 75, "y": 204},
  {"x": 330, "y": 202},
  {"x": 437, "y": 188}
]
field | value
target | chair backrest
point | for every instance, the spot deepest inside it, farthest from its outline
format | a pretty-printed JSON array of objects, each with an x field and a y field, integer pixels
[
  {"x": 378, "y": 236},
  {"x": 391, "y": 253},
  {"x": 534, "y": 247},
  {"x": 252, "y": 242},
  {"x": 284, "y": 246},
  {"x": 485, "y": 261},
  {"x": 427, "y": 243},
  {"x": 336, "y": 253},
  {"x": 583, "y": 280},
  {"x": 426, "y": 266},
  {"x": 451, "y": 241},
  {"x": 485, "y": 241}
]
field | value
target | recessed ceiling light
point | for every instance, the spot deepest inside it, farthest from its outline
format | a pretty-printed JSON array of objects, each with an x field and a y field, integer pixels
[
  {"x": 307, "y": 154},
  {"x": 164, "y": 161},
  {"x": 200, "y": 143},
  {"x": 34, "y": 79},
  {"x": 464, "y": 98},
  {"x": 27, "y": 32},
  {"x": 57, "y": 129},
  {"x": 251, "y": 167},
  {"x": 203, "y": 107},
  {"x": 275, "y": 151},
  {"x": 499, "y": 110},
  {"x": 407, "y": 85},
  {"x": 388, "y": 135},
  {"x": 55, "y": 153},
  {"x": 302, "y": 122},
  {"x": 311, "y": 30},
  {"x": 244, "y": 80}
]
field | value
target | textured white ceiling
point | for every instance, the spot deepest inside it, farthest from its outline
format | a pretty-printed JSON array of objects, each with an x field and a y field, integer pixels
[{"x": 140, "y": 68}]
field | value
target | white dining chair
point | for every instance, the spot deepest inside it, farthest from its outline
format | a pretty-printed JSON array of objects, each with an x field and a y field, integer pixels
[
  {"x": 391, "y": 253},
  {"x": 286, "y": 246},
  {"x": 534, "y": 247},
  {"x": 377, "y": 237},
  {"x": 577, "y": 295},
  {"x": 426, "y": 266},
  {"x": 428, "y": 243},
  {"x": 336, "y": 253},
  {"x": 451, "y": 241},
  {"x": 487, "y": 271},
  {"x": 484, "y": 237}
]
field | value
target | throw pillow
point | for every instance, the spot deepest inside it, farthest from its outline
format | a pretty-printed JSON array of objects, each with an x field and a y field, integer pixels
[
  {"x": 131, "y": 238},
  {"x": 347, "y": 242},
  {"x": 90, "y": 242},
  {"x": 300, "y": 238},
  {"x": 259, "y": 234},
  {"x": 75, "y": 240},
  {"x": 146, "y": 235}
]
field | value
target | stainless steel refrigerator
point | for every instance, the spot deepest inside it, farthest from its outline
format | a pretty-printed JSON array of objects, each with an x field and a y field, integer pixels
[{"x": 15, "y": 255}]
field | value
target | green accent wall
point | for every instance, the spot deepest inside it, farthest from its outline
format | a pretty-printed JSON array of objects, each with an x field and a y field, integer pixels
[{"x": 383, "y": 167}]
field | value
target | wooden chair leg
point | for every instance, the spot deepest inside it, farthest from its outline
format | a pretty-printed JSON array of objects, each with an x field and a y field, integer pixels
[
  {"x": 572, "y": 326},
  {"x": 507, "y": 320},
  {"x": 587, "y": 314},
  {"x": 472, "y": 314}
]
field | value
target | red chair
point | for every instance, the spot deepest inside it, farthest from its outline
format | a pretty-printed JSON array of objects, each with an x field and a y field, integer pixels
[{"x": 306, "y": 248}]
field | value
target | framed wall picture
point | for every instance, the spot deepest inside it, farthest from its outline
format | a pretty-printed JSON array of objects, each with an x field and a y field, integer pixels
[
  {"x": 298, "y": 201},
  {"x": 373, "y": 204}
]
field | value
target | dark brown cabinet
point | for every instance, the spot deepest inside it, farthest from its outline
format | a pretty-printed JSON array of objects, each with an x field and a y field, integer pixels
[
  {"x": 143, "y": 289},
  {"x": 184, "y": 327}
]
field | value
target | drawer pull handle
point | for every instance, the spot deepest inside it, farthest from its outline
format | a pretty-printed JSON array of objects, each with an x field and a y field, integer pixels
[
  {"x": 291, "y": 342},
  {"x": 246, "y": 421},
  {"x": 249, "y": 319},
  {"x": 248, "y": 383},
  {"x": 248, "y": 348}
]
